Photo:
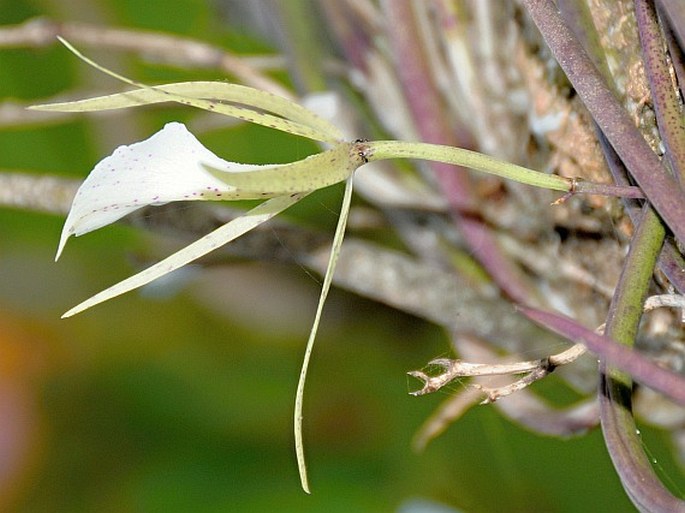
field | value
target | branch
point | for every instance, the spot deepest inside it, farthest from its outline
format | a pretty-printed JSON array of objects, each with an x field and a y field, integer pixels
[
  {"x": 41, "y": 193},
  {"x": 525, "y": 407},
  {"x": 179, "y": 51},
  {"x": 534, "y": 370}
]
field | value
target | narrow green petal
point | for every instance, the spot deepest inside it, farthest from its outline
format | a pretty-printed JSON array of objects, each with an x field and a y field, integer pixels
[
  {"x": 209, "y": 96},
  {"x": 197, "y": 249}
]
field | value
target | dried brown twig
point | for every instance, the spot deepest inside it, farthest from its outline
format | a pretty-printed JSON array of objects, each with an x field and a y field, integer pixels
[
  {"x": 525, "y": 407},
  {"x": 534, "y": 370}
]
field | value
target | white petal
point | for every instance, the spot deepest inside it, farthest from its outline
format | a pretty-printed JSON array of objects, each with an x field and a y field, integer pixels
[{"x": 166, "y": 167}]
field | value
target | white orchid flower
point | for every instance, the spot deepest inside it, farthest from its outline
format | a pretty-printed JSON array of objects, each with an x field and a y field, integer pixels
[{"x": 172, "y": 165}]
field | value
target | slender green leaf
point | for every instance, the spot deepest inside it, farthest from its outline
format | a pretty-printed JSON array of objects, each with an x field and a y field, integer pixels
[{"x": 328, "y": 278}]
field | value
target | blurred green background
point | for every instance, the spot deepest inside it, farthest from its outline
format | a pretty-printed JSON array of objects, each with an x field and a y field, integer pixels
[{"x": 184, "y": 402}]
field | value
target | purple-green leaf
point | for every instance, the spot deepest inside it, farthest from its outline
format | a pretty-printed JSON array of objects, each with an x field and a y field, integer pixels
[{"x": 640, "y": 367}]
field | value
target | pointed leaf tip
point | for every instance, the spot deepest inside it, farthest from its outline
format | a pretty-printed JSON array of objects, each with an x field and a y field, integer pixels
[{"x": 62, "y": 242}]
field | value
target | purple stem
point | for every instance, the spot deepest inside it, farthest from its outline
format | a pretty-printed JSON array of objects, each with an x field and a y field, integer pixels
[
  {"x": 615, "y": 393},
  {"x": 675, "y": 12},
  {"x": 637, "y": 476},
  {"x": 622, "y": 191},
  {"x": 353, "y": 40},
  {"x": 671, "y": 262},
  {"x": 660, "y": 188},
  {"x": 674, "y": 49},
  {"x": 578, "y": 17},
  {"x": 669, "y": 383},
  {"x": 618, "y": 425},
  {"x": 669, "y": 115}
]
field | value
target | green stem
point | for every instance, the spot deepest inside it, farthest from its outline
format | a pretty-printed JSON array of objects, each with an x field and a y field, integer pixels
[
  {"x": 618, "y": 423},
  {"x": 382, "y": 150},
  {"x": 626, "y": 306}
]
